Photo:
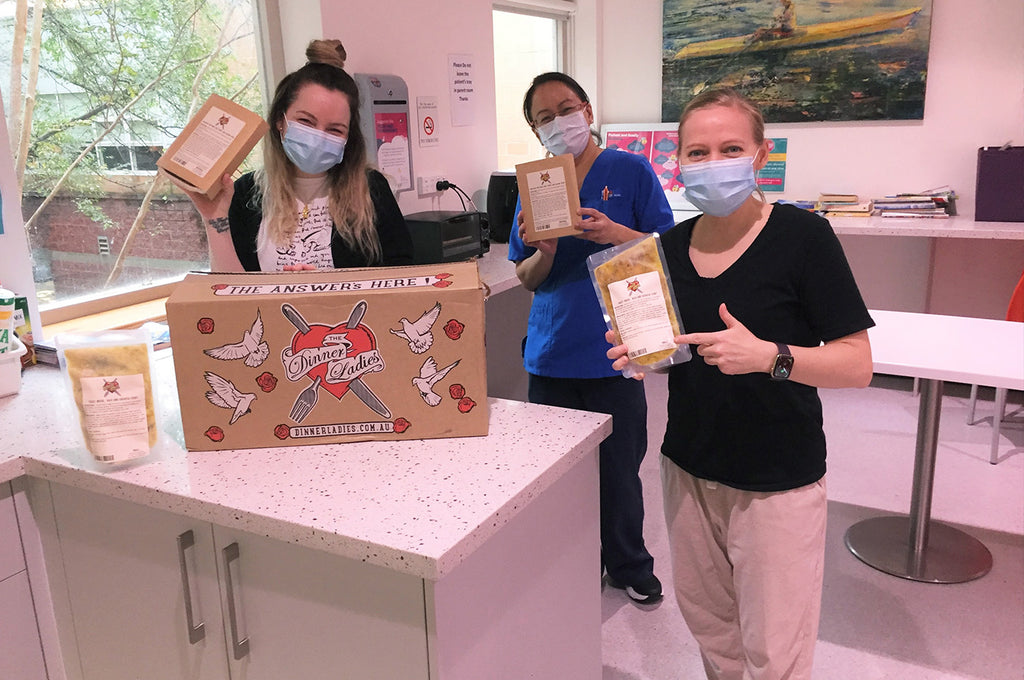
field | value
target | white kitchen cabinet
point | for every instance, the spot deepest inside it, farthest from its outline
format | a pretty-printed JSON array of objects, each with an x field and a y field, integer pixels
[
  {"x": 21, "y": 653},
  {"x": 268, "y": 610}
]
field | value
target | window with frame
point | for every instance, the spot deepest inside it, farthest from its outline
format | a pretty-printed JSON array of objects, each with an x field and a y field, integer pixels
[
  {"x": 98, "y": 89},
  {"x": 526, "y": 44}
]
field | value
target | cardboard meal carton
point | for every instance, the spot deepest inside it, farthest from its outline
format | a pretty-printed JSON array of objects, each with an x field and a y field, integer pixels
[
  {"x": 281, "y": 359},
  {"x": 214, "y": 143}
]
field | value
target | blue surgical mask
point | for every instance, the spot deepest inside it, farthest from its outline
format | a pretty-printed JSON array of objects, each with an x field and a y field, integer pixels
[
  {"x": 311, "y": 150},
  {"x": 719, "y": 187},
  {"x": 566, "y": 134}
]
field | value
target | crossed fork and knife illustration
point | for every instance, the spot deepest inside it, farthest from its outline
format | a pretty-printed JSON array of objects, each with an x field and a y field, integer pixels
[{"x": 307, "y": 399}]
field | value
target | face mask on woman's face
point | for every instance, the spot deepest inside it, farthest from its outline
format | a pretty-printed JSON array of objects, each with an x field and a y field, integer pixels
[
  {"x": 719, "y": 187},
  {"x": 311, "y": 150},
  {"x": 566, "y": 134}
]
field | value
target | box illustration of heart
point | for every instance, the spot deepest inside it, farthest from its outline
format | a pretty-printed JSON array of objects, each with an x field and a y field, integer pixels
[{"x": 292, "y": 358}]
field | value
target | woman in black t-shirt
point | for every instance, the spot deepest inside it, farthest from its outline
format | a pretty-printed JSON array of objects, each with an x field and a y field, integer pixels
[{"x": 772, "y": 313}]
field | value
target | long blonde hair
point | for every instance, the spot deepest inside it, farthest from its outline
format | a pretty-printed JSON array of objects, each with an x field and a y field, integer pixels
[{"x": 348, "y": 190}]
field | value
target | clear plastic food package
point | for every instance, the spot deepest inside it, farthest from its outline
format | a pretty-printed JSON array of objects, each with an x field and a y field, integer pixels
[
  {"x": 635, "y": 292},
  {"x": 109, "y": 377}
]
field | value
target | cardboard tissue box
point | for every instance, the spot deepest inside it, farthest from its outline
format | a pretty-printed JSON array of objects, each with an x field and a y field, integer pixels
[
  {"x": 281, "y": 359},
  {"x": 214, "y": 143}
]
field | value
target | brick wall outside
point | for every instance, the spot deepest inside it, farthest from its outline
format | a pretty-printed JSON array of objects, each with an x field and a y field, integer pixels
[{"x": 172, "y": 240}]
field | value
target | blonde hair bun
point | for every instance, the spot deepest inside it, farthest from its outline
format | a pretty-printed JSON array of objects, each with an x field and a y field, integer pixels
[{"x": 330, "y": 52}]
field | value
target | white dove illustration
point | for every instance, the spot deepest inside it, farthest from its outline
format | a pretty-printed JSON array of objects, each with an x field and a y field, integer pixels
[
  {"x": 429, "y": 374},
  {"x": 226, "y": 395},
  {"x": 418, "y": 333},
  {"x": 251, "y": 347}
]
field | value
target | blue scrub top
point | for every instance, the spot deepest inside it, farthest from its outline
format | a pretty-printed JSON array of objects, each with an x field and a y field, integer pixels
[{"x": 565, "y": 333}]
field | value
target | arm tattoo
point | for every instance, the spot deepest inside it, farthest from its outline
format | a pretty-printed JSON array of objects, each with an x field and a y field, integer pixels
[{"x": 219, "y": 224}]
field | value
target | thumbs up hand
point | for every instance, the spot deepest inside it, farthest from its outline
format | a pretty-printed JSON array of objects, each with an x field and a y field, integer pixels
[{"x": 735, "y": 350}]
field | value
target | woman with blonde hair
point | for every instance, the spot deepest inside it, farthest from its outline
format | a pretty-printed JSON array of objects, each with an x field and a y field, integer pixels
[
  {"x": 315, "y": 204},
  {"x": 772, "y": 312}
]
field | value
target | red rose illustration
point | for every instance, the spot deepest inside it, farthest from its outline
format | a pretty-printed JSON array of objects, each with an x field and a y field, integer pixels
[
  {"x": 205, "y": 325},
  {"x": 214, "y": 433},
  {"x": 457, "y": 391},
  {"x": 282, "y": 431},
  {"x": 401, "y": 425},
  {"x": 466, "y": 405},
  {"x": 453, "y": 329},
  {"x": 266, "y": 381}
]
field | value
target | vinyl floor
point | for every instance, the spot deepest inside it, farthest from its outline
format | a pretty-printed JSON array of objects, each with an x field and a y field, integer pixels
[{"x": 874, "y": 626}]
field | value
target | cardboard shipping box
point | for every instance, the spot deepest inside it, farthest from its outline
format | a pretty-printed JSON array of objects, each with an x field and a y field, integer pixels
[
  {"x": 280, "y": 359},
  {"x": 214, "y": 143}
]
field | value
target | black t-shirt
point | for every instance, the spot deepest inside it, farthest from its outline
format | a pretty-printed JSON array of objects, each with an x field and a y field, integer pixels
[
  {"x": 792, "y": 285},
  {"x": 244, "y": 216}
]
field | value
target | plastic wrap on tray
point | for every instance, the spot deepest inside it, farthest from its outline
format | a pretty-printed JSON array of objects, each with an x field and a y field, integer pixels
[
  {"x": 109, "y": 377},
  {"x": 635, "y": 292}
]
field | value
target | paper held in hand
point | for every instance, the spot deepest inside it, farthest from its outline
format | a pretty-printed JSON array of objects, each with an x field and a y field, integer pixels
[
  {"x": 214, "y": 143},
  {"x": 635, "y": 292},
  {"x": 550, "y": 197}
]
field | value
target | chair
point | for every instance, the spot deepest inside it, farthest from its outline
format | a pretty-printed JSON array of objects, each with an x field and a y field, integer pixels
[{"x": 1014, "y": 312}]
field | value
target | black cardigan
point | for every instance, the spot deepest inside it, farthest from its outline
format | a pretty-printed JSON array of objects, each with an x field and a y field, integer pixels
[{"x": 245, "y": 215}]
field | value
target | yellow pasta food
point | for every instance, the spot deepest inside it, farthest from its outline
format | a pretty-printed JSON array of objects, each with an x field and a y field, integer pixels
[
  {"x": 109, "y": 361},
  {"x": 638, "y": 259}
]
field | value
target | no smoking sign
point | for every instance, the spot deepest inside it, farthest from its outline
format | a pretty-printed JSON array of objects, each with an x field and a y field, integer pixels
[{"x": 426, "y": 112}]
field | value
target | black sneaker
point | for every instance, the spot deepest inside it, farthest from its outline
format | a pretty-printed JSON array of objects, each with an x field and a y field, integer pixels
[{"x": 646, "y": 590}]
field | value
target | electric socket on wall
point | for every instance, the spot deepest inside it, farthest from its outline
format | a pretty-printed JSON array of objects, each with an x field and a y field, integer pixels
[{"x": 428, "y": 185}]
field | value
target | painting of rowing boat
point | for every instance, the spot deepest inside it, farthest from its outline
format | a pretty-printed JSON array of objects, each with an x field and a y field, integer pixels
[{"x": 800, "y": 60}]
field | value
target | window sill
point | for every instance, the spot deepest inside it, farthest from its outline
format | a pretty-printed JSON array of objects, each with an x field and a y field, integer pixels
[{"x": 129, "y": 316}]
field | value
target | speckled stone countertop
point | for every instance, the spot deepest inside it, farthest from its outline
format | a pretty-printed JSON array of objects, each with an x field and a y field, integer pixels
[
  {"x": 960, "y": 226},
  {"x": 418, "y": 507}
]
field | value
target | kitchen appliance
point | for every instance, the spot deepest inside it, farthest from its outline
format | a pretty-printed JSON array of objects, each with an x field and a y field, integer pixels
[
  {"x": 447, "y": 235},
  {"x": 502, "y": 195}
]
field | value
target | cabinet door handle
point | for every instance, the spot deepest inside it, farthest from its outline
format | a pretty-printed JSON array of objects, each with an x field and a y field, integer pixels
[
  {"x": 241, "y": 647},
  {"x": 195, "y": 632}
]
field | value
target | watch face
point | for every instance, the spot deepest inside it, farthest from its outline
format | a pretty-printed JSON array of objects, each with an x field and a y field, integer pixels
[{"x": 783, "y": 365}]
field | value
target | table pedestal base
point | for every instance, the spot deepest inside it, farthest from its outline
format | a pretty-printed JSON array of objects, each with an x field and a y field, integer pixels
[{"x": 951, "y": 556}]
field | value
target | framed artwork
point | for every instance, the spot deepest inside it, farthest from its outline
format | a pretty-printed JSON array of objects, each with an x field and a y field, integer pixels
[{"x": 800, "y": 60}]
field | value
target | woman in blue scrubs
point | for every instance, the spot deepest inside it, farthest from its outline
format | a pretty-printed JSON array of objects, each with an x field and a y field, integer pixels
[{"x": 564, "y": 352}]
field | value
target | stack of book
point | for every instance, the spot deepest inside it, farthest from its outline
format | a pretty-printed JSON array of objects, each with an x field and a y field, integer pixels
[
  {"x": 843, "y": 205},
  {"x": 934, "y": 203}
]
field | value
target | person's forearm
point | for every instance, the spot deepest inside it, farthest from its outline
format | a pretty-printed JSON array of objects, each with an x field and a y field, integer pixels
[
  {"x": 533, "y": 270},
  {"x": 223, "y": 257},
  {"x": 845, "y": 362}
]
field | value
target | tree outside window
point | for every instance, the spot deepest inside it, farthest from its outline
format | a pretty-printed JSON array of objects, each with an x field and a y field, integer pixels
[{"x": 97, "y": 90}]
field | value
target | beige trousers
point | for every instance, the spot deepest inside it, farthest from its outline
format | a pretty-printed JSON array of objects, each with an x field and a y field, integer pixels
[{"x": 747, "y": 573}]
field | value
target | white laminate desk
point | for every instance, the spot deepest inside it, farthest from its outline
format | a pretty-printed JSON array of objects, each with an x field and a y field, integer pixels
[{"x": 934, "y": 348}]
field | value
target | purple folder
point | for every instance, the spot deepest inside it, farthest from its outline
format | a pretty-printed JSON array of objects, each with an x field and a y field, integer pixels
[{"x": 1000, "y": 191}]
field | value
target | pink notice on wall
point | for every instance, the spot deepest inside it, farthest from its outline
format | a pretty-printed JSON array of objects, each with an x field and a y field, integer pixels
[
  {"x": 631, "y": 141},
  {"x": 665, "y": 159},
  {"x": 393, "y": 158}
]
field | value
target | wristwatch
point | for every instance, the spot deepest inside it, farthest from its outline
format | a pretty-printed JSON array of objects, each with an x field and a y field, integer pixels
[{"x": 783, "y": 364}]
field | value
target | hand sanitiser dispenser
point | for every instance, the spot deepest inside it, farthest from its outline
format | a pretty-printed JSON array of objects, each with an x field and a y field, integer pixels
[{"x": 384, "y": 122}]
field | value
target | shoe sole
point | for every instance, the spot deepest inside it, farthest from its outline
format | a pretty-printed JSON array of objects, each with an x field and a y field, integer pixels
[{"x": 637, "y": 597}]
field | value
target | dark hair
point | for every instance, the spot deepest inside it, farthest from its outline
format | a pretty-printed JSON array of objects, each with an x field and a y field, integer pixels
[{"x": 549, "y": 77}]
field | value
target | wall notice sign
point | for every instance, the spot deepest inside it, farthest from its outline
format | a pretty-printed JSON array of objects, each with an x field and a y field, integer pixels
[
  {"x": 426, "y": 114},
  {"x": 392, "y": 131},
  {"x": 463, "y": 93},
  {"x": 772, "y": 176}
]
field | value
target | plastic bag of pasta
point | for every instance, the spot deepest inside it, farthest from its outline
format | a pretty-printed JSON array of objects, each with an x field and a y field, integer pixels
[
  {"x": 635, "y": 292},
  {"x": 109, "y": 376}
]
